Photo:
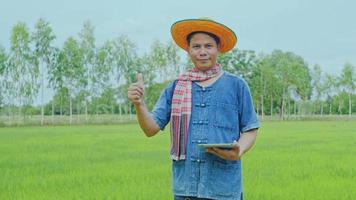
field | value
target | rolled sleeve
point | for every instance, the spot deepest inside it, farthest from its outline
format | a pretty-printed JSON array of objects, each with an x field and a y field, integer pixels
[
  {"x": 247, "y": 115},
  {"x": 161, "y": 112}
]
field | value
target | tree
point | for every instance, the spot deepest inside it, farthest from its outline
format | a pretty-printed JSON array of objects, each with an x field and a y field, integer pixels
[
  {"x": 22, "y": 70},
  {"x": 125, "y": 63},
  {"x": 72, "y": 63},
  {"x": 43, "y": 38},
  {"x": 56, "y": 75},
  {"x": 263, "y": 83},
  {"x": 171, "y": 70},
  {"x": 3, "y": 66},
  {"x": 101, "y": 79},
  {"x": 87, "y": 47},
  {"x": 348, "y": 82},
  {"x": 330, "y": 85},
  {"x": 283, "y": 75},
  {"x": 239, "y": 62},
  {"x": 105, "y": 103},
  {"x": 338, "y": 98},
  {"x": 318, "y": 86}
]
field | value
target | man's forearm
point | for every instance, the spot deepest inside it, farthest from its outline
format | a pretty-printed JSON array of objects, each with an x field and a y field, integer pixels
[
  {"x": 147, "y": 123},
  {"x": 247, "y": 140}
]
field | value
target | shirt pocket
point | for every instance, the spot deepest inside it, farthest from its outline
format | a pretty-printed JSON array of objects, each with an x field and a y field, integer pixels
[
  {"x": 226, "y": 178},
  {"x": 226, "y": 115},
  {"x": 178, "y": 170}
]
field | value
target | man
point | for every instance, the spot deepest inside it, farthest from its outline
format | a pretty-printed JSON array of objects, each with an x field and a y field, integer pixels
[{"x": 204, "y": 105}]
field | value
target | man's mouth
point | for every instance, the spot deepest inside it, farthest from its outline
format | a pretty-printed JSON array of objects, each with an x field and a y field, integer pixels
[{"x": 203, "y": 60}]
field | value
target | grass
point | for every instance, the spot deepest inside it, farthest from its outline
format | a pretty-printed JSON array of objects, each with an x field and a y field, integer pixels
[
  {"x": 35, "y": 120},
  {"x": 291, "y": 160},
  {"x": 303, "y": 160}
]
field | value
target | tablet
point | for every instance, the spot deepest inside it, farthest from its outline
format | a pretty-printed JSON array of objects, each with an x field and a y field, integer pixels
[{"x": 220, "y": 145}]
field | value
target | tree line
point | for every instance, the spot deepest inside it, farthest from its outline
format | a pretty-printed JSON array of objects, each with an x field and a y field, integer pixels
[{"x": 90, "y": 79}]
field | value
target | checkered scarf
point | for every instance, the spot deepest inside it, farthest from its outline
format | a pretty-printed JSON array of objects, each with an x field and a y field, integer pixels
[{"x": 182, "y": 108}]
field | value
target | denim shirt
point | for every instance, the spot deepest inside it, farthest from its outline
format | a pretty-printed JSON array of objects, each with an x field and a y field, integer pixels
[{"x": 220, "y": 113}]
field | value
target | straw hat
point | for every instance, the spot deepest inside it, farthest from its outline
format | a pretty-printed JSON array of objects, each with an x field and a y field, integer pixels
[{"x": 181, "y": 29}]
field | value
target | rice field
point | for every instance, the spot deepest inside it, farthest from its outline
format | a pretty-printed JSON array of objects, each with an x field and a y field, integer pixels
[{"x": 291, "y": 160}]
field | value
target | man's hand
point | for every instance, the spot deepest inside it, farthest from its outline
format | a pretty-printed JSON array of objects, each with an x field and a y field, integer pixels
[
  {"x": 246, "y": 141},
  {"x": 136, "y": 91},
  {"x": 230, "y": 154}
]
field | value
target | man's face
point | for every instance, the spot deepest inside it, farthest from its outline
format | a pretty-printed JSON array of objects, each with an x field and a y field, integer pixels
[{"x": 203, "y": 51}]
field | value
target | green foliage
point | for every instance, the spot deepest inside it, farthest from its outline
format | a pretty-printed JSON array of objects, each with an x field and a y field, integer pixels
[
  {"x": 239, "y": 62},
  {"x": 105, "y": 104},
  {"x": 43, "y": 38},
  {"x": 348, "y": 78},
  {"x": 60, "y": 103},
  {"x": 3, "y": 65},
  {"x": 279, "y": 78},
  {"x": 73, "y": 66},
  {"x": 89, "y": 75},
  {"x": 22, "y": 71},
  {"x": 153, "y": 93},
  {"x": 3, "y": 60}
]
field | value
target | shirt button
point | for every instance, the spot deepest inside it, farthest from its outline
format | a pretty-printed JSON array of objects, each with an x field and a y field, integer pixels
[
  {"x": 198, "y": 160},
  {"x": 200, "y": 122},
  {"x": 202, "y": 105}
]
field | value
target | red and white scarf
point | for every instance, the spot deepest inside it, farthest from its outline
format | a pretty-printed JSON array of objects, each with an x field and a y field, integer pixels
[{"x": 182, "y": 108}]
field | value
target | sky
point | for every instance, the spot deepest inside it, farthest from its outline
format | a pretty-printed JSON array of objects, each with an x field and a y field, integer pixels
[{"x": 322, "y": 32}]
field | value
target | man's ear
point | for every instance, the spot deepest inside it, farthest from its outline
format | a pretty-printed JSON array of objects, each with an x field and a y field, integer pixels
[
  {"x": 219, "y": 52},
  {"x": 188, "y": 52}
]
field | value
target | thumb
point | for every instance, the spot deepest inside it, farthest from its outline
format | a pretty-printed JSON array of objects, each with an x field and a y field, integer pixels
[{"x": 139, "y": 78}]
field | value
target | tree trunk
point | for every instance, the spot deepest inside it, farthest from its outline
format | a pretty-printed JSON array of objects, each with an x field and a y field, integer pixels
[
  {"x": 52, "y": 111},
  {"x": 288, "y": 108},
  {"x": 262, "y": 107},
  {"x": 301, "y": 109},
  {"x": 350, "y": 104},
  {"x": 10, "y": 113},
  {"x": 70, "y": 110},
  {"x": 42, "y": 93},
  {"x": 86, "y": 111},
  {"x": 120, "y": 112},
  {"x": 257, "y": 108},
  {"x": 281, "y": 114},
  {"x": 20, "y": 111},
  {"x": 97, "y": 110},
  {"x": 271, "y": 106},
  {"x": 78, "y": 113},
  {"x": 61, "y": 106}
]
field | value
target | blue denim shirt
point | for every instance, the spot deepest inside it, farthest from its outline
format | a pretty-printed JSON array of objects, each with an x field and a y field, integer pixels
[{"x": 220, "y": 113}]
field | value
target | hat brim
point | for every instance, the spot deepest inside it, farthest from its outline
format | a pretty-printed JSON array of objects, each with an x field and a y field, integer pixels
[{"x": 181, "y": 29}]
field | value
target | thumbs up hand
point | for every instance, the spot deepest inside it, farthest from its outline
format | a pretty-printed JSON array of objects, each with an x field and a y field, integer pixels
[
  {"x": 136, "y": 91},
  {"x": 139, "y": 78}
]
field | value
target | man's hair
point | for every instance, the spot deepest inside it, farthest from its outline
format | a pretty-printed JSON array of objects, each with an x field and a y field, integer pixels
[{"x": 216, "y": 38}]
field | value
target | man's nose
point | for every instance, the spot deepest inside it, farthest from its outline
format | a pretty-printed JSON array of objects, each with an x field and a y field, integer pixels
[{"x": 202, "y": 52}]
